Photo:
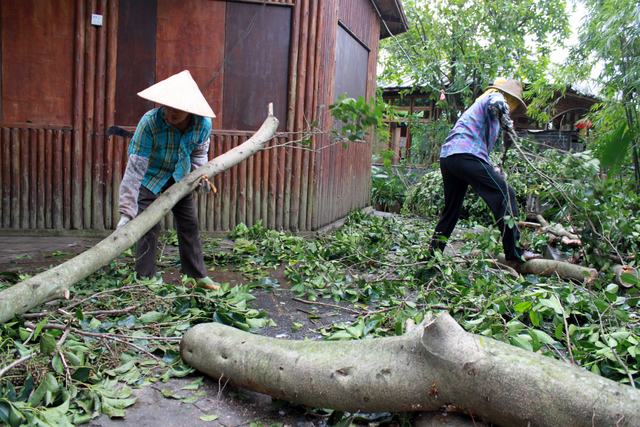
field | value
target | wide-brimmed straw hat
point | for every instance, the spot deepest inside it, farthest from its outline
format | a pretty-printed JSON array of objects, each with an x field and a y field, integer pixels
[
  {"x": 181, "y": 92},
  {"x": 510, "y": 87}
]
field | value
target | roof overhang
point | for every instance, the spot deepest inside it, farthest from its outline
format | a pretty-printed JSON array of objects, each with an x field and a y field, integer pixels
[{"x": 394, "y": 21}]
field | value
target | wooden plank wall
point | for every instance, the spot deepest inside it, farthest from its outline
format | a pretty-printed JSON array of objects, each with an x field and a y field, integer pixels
[
  {"x": 250, "y": 191},
  {"x": 344, "y": 174},
  {"x": 67, "y": 176}
]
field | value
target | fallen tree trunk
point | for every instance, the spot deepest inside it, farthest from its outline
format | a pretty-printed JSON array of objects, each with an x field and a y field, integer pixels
[
  {"x": 54, "y": 283},
  {"x": 548, "y": 268},
  {"x": 440, "y": 364}
]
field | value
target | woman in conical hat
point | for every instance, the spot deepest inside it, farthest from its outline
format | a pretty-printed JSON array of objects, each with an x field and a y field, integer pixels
[
  {"x": 464, "y": 162},
  {"x": 169, "y": 142}
]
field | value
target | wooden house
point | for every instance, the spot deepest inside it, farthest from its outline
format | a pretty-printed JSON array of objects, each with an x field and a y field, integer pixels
[
  {"x": 71, "y": 68},
  {"x": 562, "y": 132}
]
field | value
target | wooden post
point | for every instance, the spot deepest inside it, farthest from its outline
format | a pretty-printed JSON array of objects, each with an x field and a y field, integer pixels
[
  {"x": 33, "y": 178},
  {"x": 57, "y": 182},
  {"x": 88, "y": 141},
  {"x": 48, "y": 178},
  {"x": 40, "y": 215},
  {"x": 111, "y": 176},
  {"x": 78, "y": 119},
  {"x": 67, "y": 168},
  {"x": 24, "y": 178}
]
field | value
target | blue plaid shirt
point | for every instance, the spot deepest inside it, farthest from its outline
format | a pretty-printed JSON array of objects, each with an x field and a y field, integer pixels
[
  {"x": 167, "y": 149},
  {"x": 476, "y": 131}
]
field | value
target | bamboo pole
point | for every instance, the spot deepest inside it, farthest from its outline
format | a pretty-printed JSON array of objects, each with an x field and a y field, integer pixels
[
  {"x": 233, "y": 187},
  {"x": 278, "y": 170},
  {"x": 33, "y": 178},
  {"x": 241, "y": 188},
  {"x": 294, "y": 161},
  {"x": 249, "y": 195},
  {"x": 77, "y": 164},
  {"x": 67, "y": 167},
  {"x": 41, "y": 180},
  {"x": 24, "y": 178},
  {"x": 5, "y": 148},
  {"x": 226, "y": 190},
  {"x": 269, "y": 186},
  {"x": 218, "y": 201},
  {"x": 257, "y": 189},
  {"x": 14, "y": 181},
  {"x": 310, "y": 99},
  {"x": 110, "y": 195},
  {"x": 57, "y": 182},
  {"x": 48, "y": 178},
  {"x": 89, "y": 100},
  {"x": 293, "y": 66},
  {"x": 98, "y": 166},
  {"x": 313, "y": 169}
]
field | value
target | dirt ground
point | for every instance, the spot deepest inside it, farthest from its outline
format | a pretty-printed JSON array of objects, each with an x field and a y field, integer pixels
[{"x": 31, "y": 254}]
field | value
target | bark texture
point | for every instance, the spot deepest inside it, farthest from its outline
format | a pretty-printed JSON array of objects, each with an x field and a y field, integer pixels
[
  {"x": 547, "y": 268},
  {"x": 439, "y": 364},
  {"x": 54, "y": 283}
]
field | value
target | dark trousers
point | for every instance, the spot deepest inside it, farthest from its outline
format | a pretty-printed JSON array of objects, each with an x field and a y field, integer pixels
[
  {"x": 188, "y": 231},
  {"x": 458, "y": 172}
]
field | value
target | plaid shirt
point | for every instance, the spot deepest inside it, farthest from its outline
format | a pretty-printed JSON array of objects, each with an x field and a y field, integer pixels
[
  {"x": 169, "y": 151},
  {"x": 476, "y": 131}
]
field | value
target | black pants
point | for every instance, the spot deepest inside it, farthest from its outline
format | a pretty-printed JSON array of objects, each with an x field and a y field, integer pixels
[
  {"x": 188, "y": 231},
  {"x": 458, "y": 172}
]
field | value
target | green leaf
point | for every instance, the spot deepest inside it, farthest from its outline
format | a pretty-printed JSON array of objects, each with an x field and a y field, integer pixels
[
  {"x": 209, "y": 417},
  {"x": 535, "y": 321},
  {"x": 541, "y": 336},
  {"x": 111, "y": 411},
  {"x": 47, "y": 344},
  {"x": 58, "y": 367},
  {"x": 171, "y": 395},
  {"x": 81, "y": 374},
  {"x": 151, "y": 317},
  {"x": 630, "y": 278},
  {"x": 48, "y": 385},
  {"x": 119, "y": 403},
  {"x": 36, "y": 332},
  {"x": 523, "y": 306}
]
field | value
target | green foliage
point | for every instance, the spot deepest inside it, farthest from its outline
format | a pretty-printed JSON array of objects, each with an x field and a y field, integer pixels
[
  {"x": 426, "y": 198},
  {"x": 609, "y": 45},
  {"x": 389, "y": 184},
  {"x": 356, "y": 117},
  {"x": 427, "y": 137},
  {"x": 461, "y": 46},
  {"x": 93, "y": 370},
  {"x": 377, "y": 266}
]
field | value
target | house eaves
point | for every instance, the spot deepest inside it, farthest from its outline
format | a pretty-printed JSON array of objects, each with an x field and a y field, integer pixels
[{"x": 394, "y": 21}]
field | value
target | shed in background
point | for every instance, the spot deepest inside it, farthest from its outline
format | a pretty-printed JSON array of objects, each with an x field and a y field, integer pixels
[{"x": 71, "y": 68}]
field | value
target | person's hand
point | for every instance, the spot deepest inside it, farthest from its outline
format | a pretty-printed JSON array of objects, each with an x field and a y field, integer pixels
[
  {"x": 203, "y": 187},
  {"x": 124, "y": 219}
]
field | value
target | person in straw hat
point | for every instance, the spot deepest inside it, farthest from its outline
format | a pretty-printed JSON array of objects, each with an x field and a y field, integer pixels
[
  {"x": 169, "y": 142},
  {"x": 464, "y": 162}
]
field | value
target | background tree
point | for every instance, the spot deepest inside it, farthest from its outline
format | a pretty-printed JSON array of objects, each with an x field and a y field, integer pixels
[
  {"x": 460, "y": 46},
  {"x": 609, "y": 48}
]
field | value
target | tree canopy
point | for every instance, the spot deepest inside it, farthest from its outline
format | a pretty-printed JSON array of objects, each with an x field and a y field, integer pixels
[
  {"x": 460, "y": 46},
  {"x": 608, "y": 50}
]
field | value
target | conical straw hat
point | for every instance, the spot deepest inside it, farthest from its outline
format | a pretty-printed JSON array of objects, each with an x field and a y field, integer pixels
[
  {"x": 181, "y": 92},
  {"x": 511, "y": 87}
]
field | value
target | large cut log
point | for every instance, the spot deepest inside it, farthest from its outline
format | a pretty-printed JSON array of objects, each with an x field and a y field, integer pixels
[
  {"x": 439, "y": 364},
  {"x": 549, "y": 267},
  {"x": 54, "y": 283}
]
